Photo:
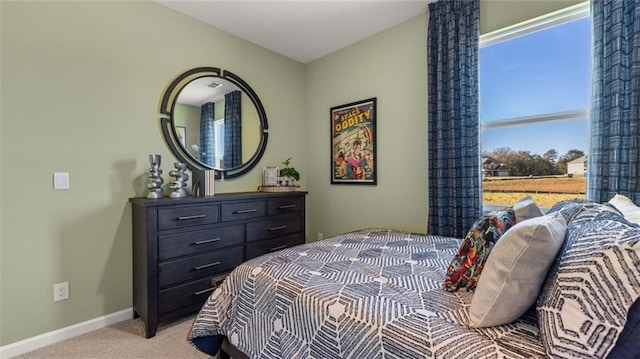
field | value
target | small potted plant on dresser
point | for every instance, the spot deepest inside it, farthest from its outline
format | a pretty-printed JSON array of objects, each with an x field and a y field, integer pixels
[
  {"x": 288, "y": 174},
  {"x": 285, "y": 181}
]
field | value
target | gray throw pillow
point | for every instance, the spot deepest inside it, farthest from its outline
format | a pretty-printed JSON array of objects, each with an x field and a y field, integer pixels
[
  {"x": 515, "y": 270},
  {"x": 526, "y": 208}
]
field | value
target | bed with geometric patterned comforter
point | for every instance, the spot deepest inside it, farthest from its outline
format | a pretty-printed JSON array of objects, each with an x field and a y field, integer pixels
[{"x": 374, "y": 293}]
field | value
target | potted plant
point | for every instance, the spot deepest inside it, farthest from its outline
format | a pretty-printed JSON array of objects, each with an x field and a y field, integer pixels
[{"x": 289, "y": 173}]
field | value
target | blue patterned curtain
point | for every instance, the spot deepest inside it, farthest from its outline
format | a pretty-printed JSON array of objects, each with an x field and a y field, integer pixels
[
  {"x": 207, "y": 138},
  {"x": 614, "y": 159},
  {"x": 453, "y": 124},
  {"x": 232, "y": 130}
]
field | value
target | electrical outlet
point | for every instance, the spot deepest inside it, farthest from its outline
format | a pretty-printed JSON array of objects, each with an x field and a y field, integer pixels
[{"x": 60, "y": 291}]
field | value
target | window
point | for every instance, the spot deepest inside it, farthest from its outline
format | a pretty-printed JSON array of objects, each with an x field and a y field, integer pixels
[
  {"x": 219, "y": 141},
  {"x": 534, "y": 101}
]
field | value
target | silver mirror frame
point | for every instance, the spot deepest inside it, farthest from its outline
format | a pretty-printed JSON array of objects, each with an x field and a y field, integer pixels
[{"x": 167, "y": 107}]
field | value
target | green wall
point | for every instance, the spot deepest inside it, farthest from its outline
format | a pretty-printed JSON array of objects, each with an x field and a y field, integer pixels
[
  {"x": 391, "y": 67},
  {"x": 79, "y": 92},
  {"x": 189, "y": 117},
  {"x": 81, "y": 85}
]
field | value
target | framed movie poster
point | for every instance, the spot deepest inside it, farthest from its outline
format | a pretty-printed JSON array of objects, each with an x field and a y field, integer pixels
[{"x": 353, "y": 143}]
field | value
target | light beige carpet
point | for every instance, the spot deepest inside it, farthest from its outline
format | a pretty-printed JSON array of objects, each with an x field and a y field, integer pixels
[{"x": 125, "y": 340}]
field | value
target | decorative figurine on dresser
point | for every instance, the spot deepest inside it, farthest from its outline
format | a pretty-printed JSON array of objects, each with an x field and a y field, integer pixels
[
  {"x": 155, "y": 180},
  {"x": 180, "y": 182}
]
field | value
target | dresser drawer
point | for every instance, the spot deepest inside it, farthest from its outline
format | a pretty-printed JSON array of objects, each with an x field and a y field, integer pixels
[
  {"x": 185, "y": 216},
  {"x": 175, "y": 245},
  {"x": 199, "y": 266},
  {"x": 183, "y": 248},
  {"x": 285, "y": 205},
  {"x": 273, "y": 227},
  {"x": 243, "y": 210},
  {"x": 188, "y": 294},
  {"x": 273, "y": 245}
]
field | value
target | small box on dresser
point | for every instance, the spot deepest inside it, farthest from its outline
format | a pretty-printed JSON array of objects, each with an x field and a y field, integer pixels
[{"x": 183, "y": 248}]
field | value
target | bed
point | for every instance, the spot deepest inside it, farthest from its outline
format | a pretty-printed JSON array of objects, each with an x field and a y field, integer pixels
[{"x": 374, "y": 293}]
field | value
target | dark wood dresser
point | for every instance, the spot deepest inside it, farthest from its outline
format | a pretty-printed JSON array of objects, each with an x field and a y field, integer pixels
[{"x": 183, "y": 248}]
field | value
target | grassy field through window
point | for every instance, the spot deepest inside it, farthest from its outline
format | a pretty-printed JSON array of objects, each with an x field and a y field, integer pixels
[{"x": 545, "y": 190}]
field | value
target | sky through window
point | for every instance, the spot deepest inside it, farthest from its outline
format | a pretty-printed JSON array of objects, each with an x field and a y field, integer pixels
[{"x": 543, "y": 72}]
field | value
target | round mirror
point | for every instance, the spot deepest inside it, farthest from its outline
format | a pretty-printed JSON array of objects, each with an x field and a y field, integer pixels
[{"x": 214, "y": 120}]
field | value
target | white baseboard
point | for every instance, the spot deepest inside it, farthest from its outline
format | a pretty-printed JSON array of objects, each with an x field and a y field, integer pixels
[{"x": 42, "y": 340}]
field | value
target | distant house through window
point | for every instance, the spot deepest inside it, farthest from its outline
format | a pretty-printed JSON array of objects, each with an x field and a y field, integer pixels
[
  {"x": 534, "y": 101},
  {"x": 494, "y": 168},
  {"x": 577, "y": 166}
]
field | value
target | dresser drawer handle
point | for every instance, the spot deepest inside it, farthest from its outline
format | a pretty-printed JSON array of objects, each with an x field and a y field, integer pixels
[
  {"x": 278, "y": 248},
  {"x": 288, "y": 206},
  {"x": 206, "y": 241},
  {"x": 245, "y": 211},
  {"x": 191, "y": 217},
  {"x": 204, "y": 291},
  {"x": 277, "y": 228},
  {"x": 206, "y": 265}
]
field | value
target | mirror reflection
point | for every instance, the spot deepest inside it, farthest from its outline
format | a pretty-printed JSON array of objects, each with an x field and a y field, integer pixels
[{"x": 216, "y": 123}]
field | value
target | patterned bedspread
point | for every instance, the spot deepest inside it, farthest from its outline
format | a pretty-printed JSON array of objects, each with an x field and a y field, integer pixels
[{"x": 375, "y": 293}]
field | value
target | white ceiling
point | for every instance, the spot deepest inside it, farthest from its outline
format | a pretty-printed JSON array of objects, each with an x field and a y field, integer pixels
[
  {"x": 303, "y": 30},
  {"x": 205, "y": 89}
]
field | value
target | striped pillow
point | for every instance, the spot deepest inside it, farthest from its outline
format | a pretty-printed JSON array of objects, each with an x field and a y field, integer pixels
[
  {"x": 584, "y": 303},
  {"x": 570, "y": 208}
]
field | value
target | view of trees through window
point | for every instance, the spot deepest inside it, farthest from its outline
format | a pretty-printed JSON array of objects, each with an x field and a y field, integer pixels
[
  {"x": 524, "y": 163},
  {"x": 534, "y": 100}
]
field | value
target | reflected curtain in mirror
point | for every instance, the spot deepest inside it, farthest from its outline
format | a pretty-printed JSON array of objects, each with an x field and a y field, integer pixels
[
  {"x": 233, "y": 130},
  {"x": 207, "y": 134}
]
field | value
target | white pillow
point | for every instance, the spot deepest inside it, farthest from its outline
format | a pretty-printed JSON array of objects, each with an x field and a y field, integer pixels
[
  {"x": 625, "y": 205},
  {"x": 516, "y": 270},
  {"x": 525, "y": 209}
]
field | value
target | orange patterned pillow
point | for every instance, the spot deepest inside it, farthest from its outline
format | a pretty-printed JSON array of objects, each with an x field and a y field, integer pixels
[{"x": 466, "y": 266}]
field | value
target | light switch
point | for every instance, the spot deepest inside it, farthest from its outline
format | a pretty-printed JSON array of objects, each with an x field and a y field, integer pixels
[{"x": 60, "y": 180}]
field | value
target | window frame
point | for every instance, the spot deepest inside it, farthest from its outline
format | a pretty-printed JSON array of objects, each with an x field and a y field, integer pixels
[{"x": 574, "y": 12}]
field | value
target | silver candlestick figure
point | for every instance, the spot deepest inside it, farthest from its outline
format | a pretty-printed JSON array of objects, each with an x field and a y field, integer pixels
[
  {"x": 155, "y": 180},
  {"x": 180, "y": 182}
]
